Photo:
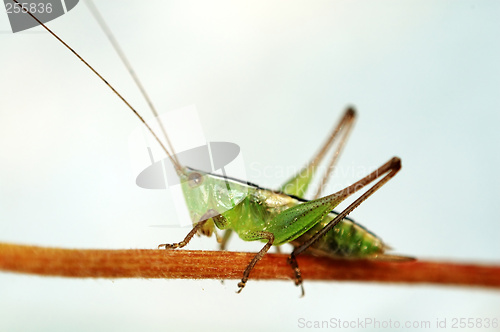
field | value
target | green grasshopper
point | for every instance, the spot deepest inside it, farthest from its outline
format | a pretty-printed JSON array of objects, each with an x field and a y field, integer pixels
[
  {"x": 284, "y": 216},
  {"x": 279, "y": 216}
]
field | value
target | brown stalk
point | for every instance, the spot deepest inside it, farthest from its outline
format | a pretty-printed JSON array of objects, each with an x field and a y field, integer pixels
[{"x": 188, "y": 264}]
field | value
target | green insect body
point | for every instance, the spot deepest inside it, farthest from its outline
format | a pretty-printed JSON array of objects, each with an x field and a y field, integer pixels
[
  {"x": 250, "y": 209},
  {"x": 346, "y": 240},
  {"x": 283, "y": 216}
]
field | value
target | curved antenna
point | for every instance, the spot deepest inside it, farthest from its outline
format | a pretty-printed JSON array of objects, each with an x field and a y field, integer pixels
[
  {"x": 177, "y": 166},
  {"x": 107, "y": 31}
]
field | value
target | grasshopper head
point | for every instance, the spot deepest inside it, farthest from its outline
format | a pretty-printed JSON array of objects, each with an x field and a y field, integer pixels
[{"x": 204, "y": 191}]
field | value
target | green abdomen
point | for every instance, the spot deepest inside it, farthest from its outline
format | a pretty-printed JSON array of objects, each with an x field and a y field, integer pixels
[{"x": 346, "y": 239}]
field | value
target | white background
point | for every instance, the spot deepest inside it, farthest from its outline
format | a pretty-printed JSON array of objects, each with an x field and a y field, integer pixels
[{"x": 273, "y": 77}]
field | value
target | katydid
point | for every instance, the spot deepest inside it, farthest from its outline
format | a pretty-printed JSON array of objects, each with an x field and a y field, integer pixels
[
  {"x": 283, "y": 216},
  {"x": 279, "y": 216}
]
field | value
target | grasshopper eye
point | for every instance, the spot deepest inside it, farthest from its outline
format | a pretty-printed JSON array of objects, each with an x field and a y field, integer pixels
[{"x": 195, "y": 179}]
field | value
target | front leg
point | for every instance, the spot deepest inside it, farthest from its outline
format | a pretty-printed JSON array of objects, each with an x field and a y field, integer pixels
[{"x": 204, "y": 218}]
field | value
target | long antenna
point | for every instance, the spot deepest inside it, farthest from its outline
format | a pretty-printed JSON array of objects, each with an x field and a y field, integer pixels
[
  {"x": 107, "y": 31},
  {"x": 177, "y": 166}
]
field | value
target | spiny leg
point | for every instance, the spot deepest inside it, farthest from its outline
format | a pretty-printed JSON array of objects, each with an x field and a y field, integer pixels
[
  {"x": 186, "y": 240},
  {"x": 390, "y": 169},
  {"x": 299, "y": 183},
  {"x": 258, "y": 257},
  {"x": 206, "y": 216}
]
